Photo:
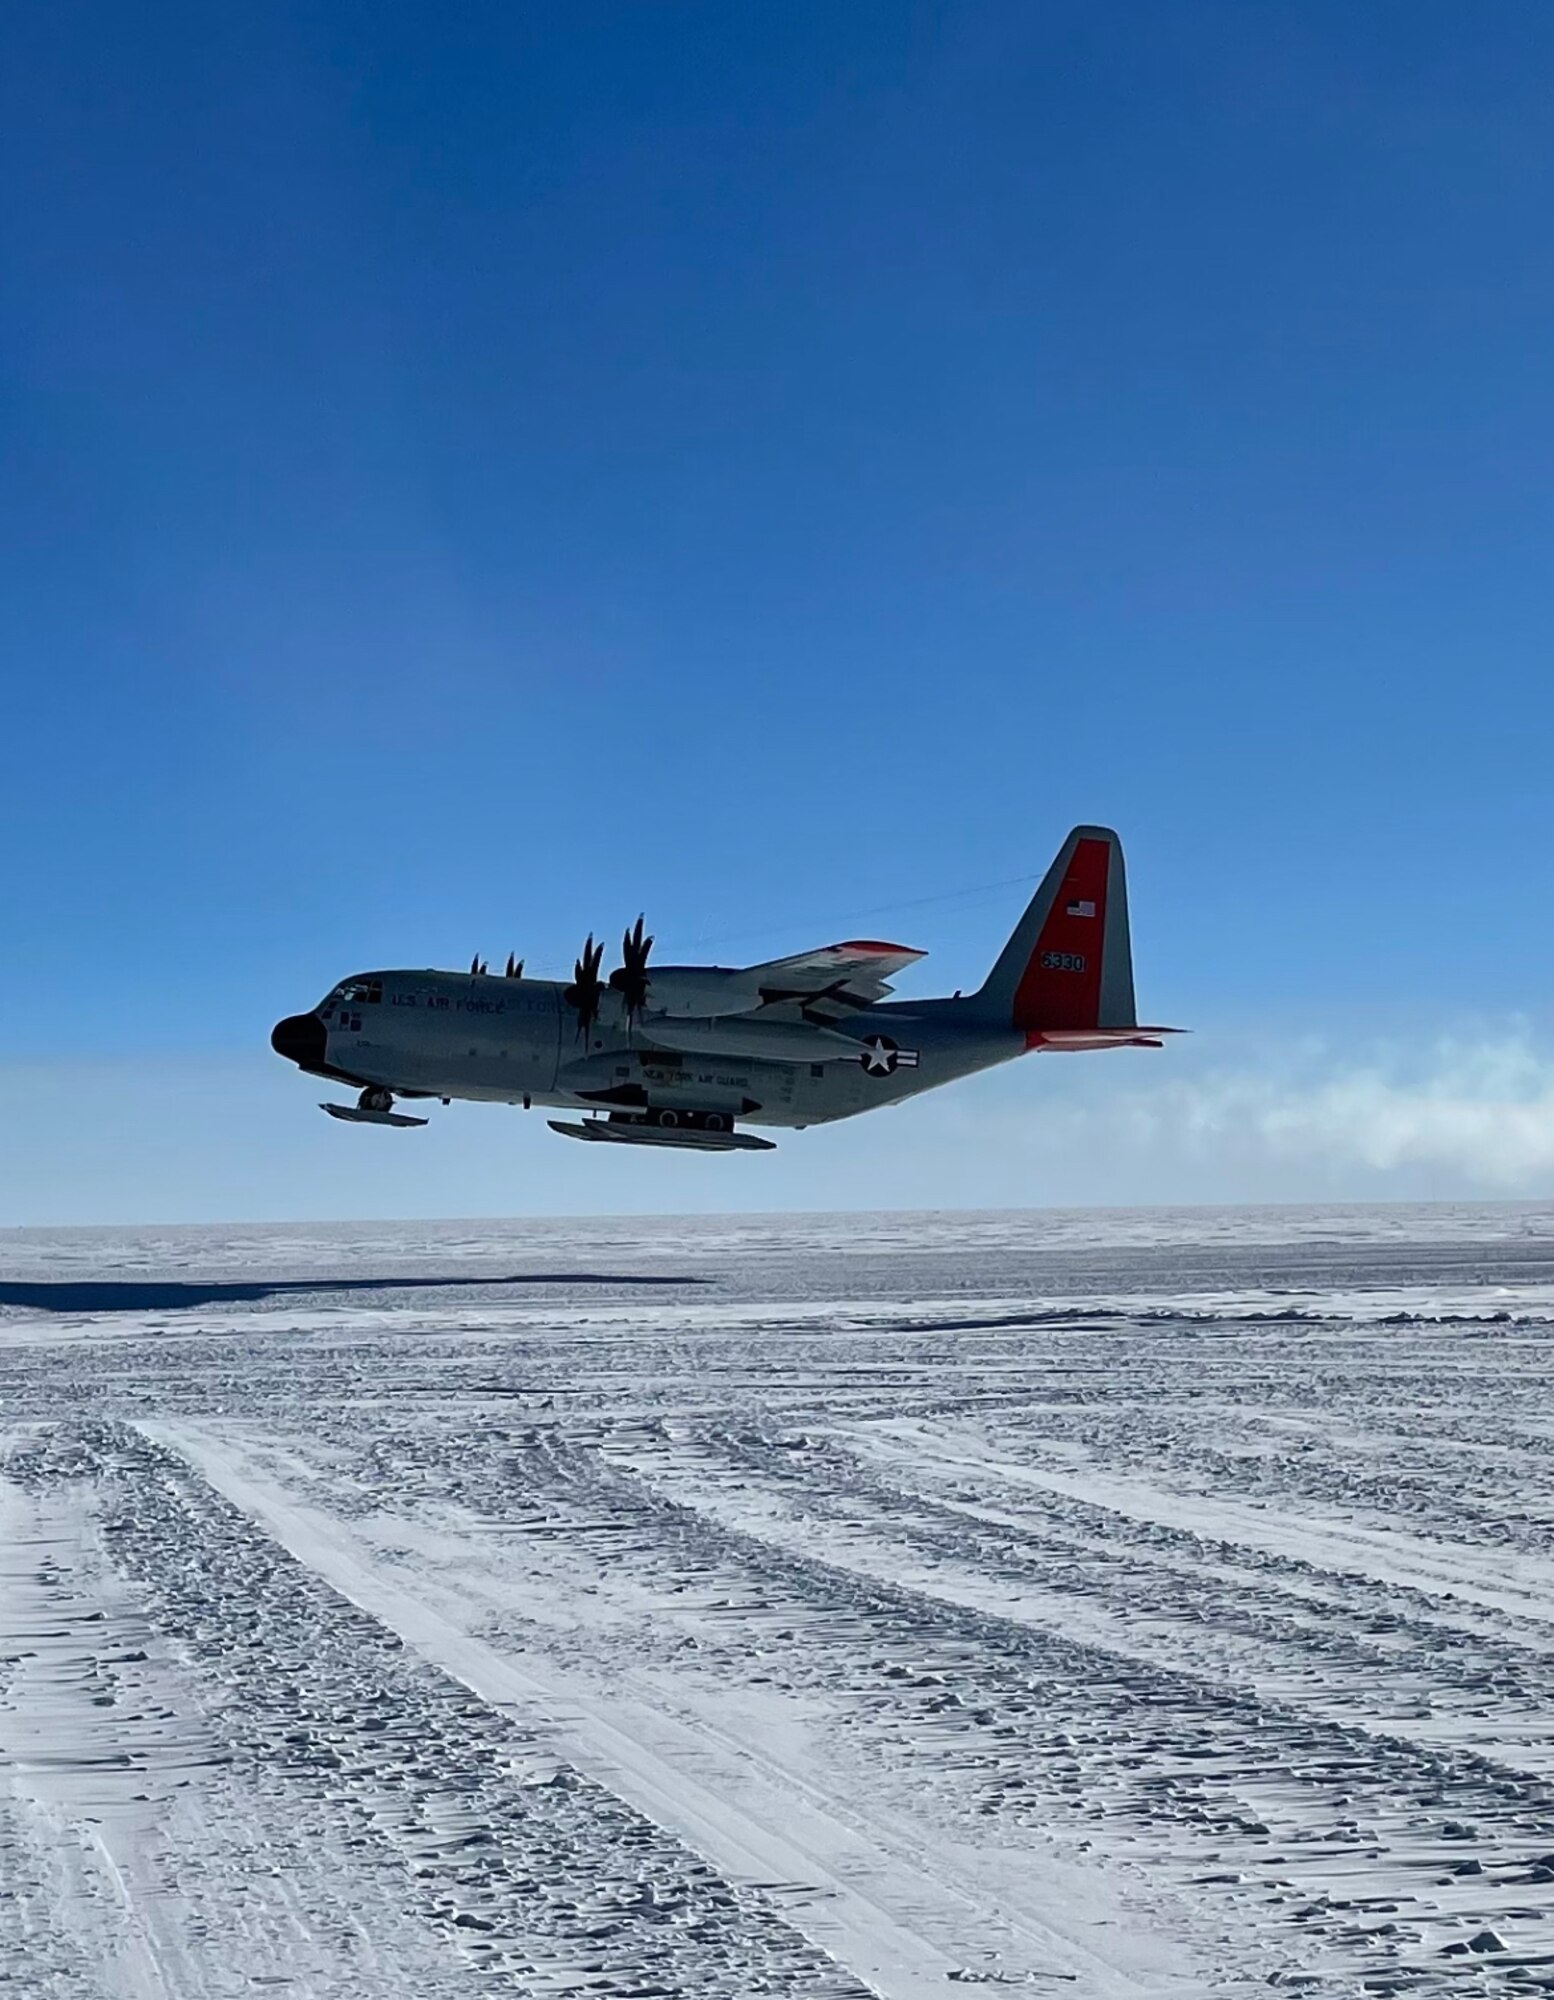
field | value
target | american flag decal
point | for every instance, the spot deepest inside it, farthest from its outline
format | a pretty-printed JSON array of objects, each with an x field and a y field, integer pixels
[{"x": 1081, "y": 909}]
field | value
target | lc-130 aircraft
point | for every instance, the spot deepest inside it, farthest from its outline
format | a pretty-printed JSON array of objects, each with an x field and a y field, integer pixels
[{"x": 678, "y": 1055}]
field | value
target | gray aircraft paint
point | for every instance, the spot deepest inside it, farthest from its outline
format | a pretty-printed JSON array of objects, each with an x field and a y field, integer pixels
[{"x": 496, "y": 1039}]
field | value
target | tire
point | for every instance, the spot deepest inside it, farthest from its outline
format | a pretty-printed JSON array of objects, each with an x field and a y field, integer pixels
[
  {"x": 668, "y": 1120},
  {"x": 718, "y": 1121}
]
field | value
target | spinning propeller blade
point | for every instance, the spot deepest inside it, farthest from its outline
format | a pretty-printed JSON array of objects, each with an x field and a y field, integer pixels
[
  {"x": 587, "y": 988},
  {"x": 631, "y": 980}
]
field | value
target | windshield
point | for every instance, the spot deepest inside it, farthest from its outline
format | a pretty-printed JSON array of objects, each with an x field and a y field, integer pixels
[{"x": 360, "y": 992}]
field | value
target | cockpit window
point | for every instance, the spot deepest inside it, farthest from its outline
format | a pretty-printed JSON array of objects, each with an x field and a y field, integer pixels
[
  {"x": 355, "y": 993},
  {"x": 351, "y": 993}
]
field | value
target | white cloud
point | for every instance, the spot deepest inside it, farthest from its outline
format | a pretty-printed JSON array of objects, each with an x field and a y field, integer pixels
[
  {"x": 1456, "y": 1117},
  {"x": 239, "y": 1139},
  {"x": 1483, "y": 1111}
]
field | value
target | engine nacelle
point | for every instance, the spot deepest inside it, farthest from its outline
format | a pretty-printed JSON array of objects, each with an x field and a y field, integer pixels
[{"x": 701, "y": 992}]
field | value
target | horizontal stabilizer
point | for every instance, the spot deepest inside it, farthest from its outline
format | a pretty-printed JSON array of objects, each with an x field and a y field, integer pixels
[{"x": 1099, "y": 1038}]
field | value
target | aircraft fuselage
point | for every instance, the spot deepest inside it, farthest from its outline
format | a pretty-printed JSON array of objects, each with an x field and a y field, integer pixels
[
  {"x": 683, "y": 1054},
  {"x": 516, "y": 1041}
]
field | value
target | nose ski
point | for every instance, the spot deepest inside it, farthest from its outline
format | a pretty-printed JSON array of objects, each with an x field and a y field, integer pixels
[
  {"x": 353, "y": 1114},
  {"x": 373, "y": 1107}
]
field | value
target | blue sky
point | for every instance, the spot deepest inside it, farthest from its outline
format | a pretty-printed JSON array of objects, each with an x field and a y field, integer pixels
[{"x": 471, "y": 475}]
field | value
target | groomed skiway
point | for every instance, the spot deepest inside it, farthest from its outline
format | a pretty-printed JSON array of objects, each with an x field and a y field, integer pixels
[{"x": 1148, "y": 1605}]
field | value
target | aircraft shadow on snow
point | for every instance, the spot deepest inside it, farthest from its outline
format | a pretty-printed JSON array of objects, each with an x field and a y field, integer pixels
[{"x": 69, "y": 1295}]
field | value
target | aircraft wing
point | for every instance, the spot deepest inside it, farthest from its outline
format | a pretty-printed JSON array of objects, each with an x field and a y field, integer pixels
[{"x": 831, "y": 983}]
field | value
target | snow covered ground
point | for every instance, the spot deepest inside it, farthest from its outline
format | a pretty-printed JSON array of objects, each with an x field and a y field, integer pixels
[{"x": 1112, "y": 1604}]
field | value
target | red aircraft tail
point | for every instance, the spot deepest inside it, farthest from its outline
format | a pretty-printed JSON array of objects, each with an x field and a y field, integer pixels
[{"x": 1065, "y": 978}]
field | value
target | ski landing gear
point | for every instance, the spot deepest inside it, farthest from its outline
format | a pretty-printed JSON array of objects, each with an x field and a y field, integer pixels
[
  {"x": 689, "y": 1131},
  {"x": 375, "y": 1106}
]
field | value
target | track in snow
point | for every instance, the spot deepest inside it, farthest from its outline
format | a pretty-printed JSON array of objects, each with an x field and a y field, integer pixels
[{"x": 1120, "y": 1606}]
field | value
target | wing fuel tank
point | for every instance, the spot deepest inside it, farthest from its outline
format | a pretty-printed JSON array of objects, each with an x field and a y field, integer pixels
[{"x": 753, "y": 1041}]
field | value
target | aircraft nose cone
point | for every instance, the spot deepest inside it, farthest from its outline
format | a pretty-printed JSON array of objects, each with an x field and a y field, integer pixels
[{"x": 300, "y": 1038}]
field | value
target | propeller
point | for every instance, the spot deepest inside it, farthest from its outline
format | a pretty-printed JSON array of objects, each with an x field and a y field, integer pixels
[
  {"x": 587, "y": 988},
  {"x": 630, "y": 979},
  {"x": 514, "y": 967},
  {"x": 477, "y": 965}
]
